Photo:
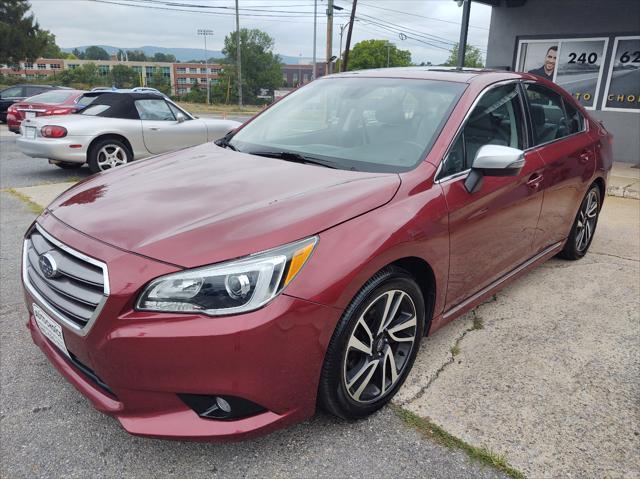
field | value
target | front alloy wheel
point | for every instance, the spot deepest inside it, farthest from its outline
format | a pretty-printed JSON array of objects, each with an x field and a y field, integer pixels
[
  {"x": 379, "y": 346},
  {"x": 374, "y": 345}
]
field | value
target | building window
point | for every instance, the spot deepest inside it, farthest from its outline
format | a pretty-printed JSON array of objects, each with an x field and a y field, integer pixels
[
  {"x": 103, "y": 70},
  {"x": 181, "y": 91},
  {"x": 307, "y": 77},
  {"x": 42, "y": 76},
  {"x": 73, "y": 66},
  {"x": 28, "y": 66},
  {"x": 295, "y": 78},
  {"x": 42, "y": 66},
  {"x": 193, "y": 80},
  {"x": 137, "y": 69},
  {"x": 150, "y": 70},
  {"x": 182, "y": 81},
  {"x": 181, "y": 70},
  {"x": 55, "y": 66}
]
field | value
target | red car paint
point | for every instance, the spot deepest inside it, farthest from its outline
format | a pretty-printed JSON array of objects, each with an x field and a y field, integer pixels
[
  {"x": 206, "y": 204},
  {"x": 16, "y": 112}
]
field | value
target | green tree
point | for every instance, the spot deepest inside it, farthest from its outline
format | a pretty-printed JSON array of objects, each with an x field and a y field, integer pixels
[
  {"x": 472, "y": 57},
  {"x": 123, "y": 76},
  {"x": 96, "y": 53},
  {"x": 160, "y": 82},
  {"x": 78, "y": 54},
  {"x": 136, "y": 56},
  {"x": 261, "y": 68},
  {"x": 20, "y": 35},
  {"x": 196, "y": 95},
  {"x": 373, "y": 54},
  {"x": 164, "y": 57},
  {"x": 51, "y": 49}
]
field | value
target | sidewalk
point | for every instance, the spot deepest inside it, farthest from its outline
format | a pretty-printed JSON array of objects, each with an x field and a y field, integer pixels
[{"x": 624, "y": 181}]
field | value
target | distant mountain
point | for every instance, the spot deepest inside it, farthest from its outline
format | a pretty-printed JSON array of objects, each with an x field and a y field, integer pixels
[{"x": 181, "y": 54}]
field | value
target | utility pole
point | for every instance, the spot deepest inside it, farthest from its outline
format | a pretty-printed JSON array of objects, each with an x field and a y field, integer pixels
[
  {"x": 205, "y": 32},
  {"x": 315, "y": 27},
  {"x": 464, "y": 28},
  {"x": 239, "y": 56},
  {"x": 351, "y": 22},
  {"x": 388, "y": 49},
  {"x": 342, "y": 27},
  {"x": 329, "y": 35}
]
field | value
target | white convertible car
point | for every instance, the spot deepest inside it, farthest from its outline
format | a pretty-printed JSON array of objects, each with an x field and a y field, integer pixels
[{"x": 117, "y": 128}]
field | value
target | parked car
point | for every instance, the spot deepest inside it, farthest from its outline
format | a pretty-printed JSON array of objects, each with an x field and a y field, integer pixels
[
  {"x": 52, "y": 102},
  {"x": 117, "y": 128},
  {"x": 16, "y": 93},
  {"x": 220, "y": 292}
]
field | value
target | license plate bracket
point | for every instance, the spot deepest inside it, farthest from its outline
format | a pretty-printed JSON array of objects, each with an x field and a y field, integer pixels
[{"x": 50, "y": 329}]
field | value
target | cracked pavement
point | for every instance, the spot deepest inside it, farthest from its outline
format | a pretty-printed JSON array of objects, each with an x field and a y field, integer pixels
[{"x": 552, "y": 380}]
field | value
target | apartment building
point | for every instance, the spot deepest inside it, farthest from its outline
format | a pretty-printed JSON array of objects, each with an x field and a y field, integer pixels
[{"x": 189, "y": 75}]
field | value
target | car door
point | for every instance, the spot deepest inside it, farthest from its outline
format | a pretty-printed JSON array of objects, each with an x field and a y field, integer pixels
[
  {"x": 161, "y": 129},
  {"x": 491, "y": 231},
  {"x": 568, "y": 151}
]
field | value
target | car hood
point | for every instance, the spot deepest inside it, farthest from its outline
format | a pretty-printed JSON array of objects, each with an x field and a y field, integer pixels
[{"x": 206, "y": 204}]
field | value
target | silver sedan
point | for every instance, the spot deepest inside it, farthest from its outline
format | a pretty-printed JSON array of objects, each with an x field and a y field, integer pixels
[{"x": 117, "y": 128}]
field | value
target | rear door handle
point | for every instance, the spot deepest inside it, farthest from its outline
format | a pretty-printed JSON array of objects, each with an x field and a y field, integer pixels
[
  {"x": 534, "y": 181},
  {"x": 584, "y": 157}
]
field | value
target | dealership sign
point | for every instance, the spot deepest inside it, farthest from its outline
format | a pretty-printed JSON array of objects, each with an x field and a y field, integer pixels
[{"x": 578, "y": 65}]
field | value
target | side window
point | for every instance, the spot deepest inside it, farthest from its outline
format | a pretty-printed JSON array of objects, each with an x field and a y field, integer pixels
[
  {"x": 547, "y": 114},
  {"x": 154, "y": 110},
  {"x": 496, "y": 120},
  {"x": 574, "y": 118}
]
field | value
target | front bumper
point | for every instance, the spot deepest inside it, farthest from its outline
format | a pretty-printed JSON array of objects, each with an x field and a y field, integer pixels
[
  {"x": 55, "y": 148},
  {"x": 271, "y": 357}
]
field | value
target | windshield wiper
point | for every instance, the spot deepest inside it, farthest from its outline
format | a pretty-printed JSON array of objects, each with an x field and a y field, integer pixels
[{"x": 293, "y": 157}]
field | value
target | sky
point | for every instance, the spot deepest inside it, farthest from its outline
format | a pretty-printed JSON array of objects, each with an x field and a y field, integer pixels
[{"x": 426, "y": 28}]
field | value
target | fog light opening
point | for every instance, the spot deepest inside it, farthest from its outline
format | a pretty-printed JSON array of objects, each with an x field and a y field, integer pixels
[{"x": 221, "y": 407}]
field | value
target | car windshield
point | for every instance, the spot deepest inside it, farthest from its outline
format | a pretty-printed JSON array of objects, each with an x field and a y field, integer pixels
[
  {"x": 365, "y": 124},
  {"x": 52, "y": 97}
]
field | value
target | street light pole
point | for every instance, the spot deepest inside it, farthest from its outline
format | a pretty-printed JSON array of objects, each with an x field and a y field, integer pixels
[
  {"x": 342, "y": 27},
  {"x": 205, "y": 32},
  {"x": 239, "y": 56}
]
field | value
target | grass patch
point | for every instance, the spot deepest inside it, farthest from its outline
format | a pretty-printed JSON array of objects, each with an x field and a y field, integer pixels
[
  {"x": 455, "y": 350},
  {"x": 220, "y": 108},
  {"x": 478, "y": 323},
  {"x": 32, "y": 205},
  {"x": 442, "y": 437}
]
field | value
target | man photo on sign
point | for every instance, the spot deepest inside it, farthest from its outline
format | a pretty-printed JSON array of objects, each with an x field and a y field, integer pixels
[{"x": 546, "y": 70}]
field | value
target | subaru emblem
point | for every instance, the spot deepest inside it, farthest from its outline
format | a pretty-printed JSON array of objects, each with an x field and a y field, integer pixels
[{"x": 48, "y": 266}]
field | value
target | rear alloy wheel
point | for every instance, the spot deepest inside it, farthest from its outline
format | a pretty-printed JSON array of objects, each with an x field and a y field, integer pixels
[
  {"x": 108, "y": 154},
  {"x": 584, "y": 226},
  {"x": 374, "y": 345}
]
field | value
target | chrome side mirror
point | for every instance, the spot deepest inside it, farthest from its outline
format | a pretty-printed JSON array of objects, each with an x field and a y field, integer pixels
[
  {"x": 181, "y": 118},
  {"x": 493, "y": 160}
]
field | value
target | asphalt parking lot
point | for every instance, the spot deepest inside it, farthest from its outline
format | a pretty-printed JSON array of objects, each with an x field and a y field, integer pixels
[{"x": 547, "y": 375}]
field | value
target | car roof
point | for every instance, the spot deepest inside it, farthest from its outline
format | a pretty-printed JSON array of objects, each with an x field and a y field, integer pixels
[{"x": 451, "y": 74}]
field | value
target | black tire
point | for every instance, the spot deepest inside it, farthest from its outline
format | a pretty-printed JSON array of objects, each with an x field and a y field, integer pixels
[
  {"x": 334, "y": 394},
  {"x": 96, "y": 157},
  {"x": 582, "y": 232},
  {"x": 69, "y": 166}
]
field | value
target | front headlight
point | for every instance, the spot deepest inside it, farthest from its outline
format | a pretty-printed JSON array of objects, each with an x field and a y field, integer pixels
[{"x": 232, "y": 287}]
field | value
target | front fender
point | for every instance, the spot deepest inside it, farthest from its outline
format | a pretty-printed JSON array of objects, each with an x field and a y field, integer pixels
[{"x": 349, "y": 254}]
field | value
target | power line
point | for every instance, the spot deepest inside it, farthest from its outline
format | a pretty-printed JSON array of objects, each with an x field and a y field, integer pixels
[{"x": 422, "y": 16}]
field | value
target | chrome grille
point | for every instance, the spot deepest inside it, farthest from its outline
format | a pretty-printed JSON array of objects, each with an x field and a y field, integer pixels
[{"x": 75, "y": 294}]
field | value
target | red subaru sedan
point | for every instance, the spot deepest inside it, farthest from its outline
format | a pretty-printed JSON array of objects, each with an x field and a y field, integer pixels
[
  {"x": 226, "y": 290},
  {"x": 52, "y": 102}
]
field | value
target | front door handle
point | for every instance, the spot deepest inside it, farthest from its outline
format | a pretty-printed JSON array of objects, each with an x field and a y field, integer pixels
[
  {"x": 154, "y": 128},
  {"x": 535, "y": 181}
]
